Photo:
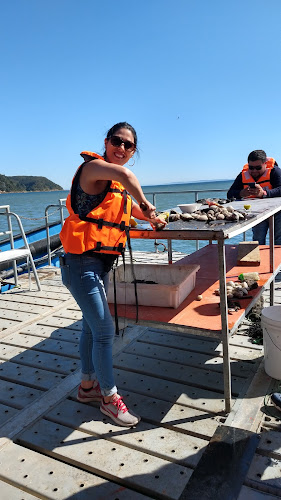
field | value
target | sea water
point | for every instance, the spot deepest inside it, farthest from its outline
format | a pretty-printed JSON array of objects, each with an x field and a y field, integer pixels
[{"x": 31, "y": 207}]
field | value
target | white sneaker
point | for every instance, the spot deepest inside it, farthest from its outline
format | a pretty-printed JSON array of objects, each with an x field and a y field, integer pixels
[{"x": 119, "y": 413}]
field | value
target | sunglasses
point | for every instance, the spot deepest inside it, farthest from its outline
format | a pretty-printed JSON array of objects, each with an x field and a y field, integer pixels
[
  {"x": 117, "y": 142},
  {"x": 259, "y": 167}
]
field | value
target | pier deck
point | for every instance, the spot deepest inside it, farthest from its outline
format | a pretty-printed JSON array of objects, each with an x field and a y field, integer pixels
[{"x": 53, "y": 447}]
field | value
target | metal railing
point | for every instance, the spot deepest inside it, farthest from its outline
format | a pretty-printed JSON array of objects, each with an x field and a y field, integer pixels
[
  {"x": 60, "y": 208},
  {"x": 196, "y": 192}
]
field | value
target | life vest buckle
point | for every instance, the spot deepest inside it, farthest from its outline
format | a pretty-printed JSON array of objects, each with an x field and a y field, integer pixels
[{"x": 100, "y": 223}]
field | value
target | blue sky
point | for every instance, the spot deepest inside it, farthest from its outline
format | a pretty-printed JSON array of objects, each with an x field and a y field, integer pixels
[{"x": 200, "y": 82}]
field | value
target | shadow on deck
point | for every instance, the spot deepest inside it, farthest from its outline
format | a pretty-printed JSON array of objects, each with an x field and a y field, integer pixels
[{"x": 52, "y": 446}]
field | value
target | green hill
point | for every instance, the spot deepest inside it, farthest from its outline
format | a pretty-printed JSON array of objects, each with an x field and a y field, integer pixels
[{"x": 17, "y": 183}]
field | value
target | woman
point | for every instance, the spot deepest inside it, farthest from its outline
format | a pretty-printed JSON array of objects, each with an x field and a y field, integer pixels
[{"x": 93, "y": 236}]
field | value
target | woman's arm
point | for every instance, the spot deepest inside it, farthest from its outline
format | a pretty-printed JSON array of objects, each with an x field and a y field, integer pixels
[
  {"x": 100, "y": 170},
  {"x": 139, "y": 214}
]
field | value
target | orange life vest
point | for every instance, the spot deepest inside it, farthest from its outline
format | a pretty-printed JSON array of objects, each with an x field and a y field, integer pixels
[
  {"x": 105, "y": 228},
  {"x": 264, "y": 180}
]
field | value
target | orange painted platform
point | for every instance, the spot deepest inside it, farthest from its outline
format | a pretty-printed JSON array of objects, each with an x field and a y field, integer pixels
[{"x": 205, "y": 314}]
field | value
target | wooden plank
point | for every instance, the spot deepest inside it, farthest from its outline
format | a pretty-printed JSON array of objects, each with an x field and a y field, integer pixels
[
  {"x": 65, "y": 334},
  {"x": 11, "y": 492},
  {"x": 242, "y": 369},
  {"x": 176, "y": 372},
  {"x": 39, "y": 406},
  {"x": 248, "y": 253},
  {"x": 173, "y": 415},
  {"x": 61, "y": 323},
  {"x": 199, "y": 398},
  {"x": 56, "y": 288},
  {"x": 270, "y": 444},
  {"x": 49, "y": 478},
  {"x": 69, "y": 314},
  {"x": 250, "y": 494},
  {"x": 22, "y": 306},
  {"x": 160, "y": 442},
  {"x": 16, "y": 315},
  {"x": 5, "y": 324},
  {"x": 246, "y": 412},
  {"x": 223, "y": 466},
  {"x": 6, "y": 412},
  {"x": 264, "y": 474},
  {"x": 50, "y": 362},
  {"x": 50, "y": 345},
  {"x": 16, "y": 395},
  {"x": 16, "y": 325},
  {"x": 62, "y": 295},
  {"x": 27, "y": 299},
  {"x": 27, "y": 375},
  {"x": 199, "y": 344},
  {"x": 138, "y": 470}
]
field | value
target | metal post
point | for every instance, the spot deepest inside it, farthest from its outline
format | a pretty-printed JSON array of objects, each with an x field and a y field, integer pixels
[
  {"x": 48, "y": 236},
  {"x": 31, "y": 261},
  {"x": 10, "y": 229},
  {"x": 197, "y": 241},
  {"x": 61, "y": 200},
  {"x": 224, "y": 326},
  {"x": 170, "y": 252},
  {"x": 271, "y": 253},
  {"x": 154, "y": 203}
]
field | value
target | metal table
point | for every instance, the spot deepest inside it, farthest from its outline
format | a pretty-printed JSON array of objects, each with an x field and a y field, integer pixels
[{"x": 220, "y": 231}]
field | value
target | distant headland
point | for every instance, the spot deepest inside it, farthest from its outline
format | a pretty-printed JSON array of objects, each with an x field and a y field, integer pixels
[{"x": 26, "y": 183}]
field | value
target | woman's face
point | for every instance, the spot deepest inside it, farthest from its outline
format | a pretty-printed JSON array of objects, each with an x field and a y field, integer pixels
[{"x": 118, "y": 148}]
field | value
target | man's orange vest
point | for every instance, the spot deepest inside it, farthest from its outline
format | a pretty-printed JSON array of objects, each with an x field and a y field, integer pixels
[
  {"x": 264, "y": 180},
  {"x": 105, "y": 228}
]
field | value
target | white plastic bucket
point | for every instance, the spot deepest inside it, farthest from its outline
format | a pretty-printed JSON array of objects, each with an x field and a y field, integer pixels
[{"x": 271, "y": 325}]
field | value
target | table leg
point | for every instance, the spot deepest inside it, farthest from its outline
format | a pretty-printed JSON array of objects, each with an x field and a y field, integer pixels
[
  {"x": 224, "y": 326},
  {"x": 170, "y": 252},
  {"x": 271, "y": 246}
]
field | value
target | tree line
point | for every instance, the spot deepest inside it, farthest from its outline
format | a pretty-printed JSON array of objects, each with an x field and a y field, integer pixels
[{"x": 20, "y": 183}]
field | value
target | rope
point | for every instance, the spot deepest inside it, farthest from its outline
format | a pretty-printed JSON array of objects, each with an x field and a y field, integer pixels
[{"x": 39, "y": 218}]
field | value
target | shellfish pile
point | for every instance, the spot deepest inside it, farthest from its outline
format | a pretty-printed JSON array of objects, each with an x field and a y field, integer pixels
[{"x": 213, "y": 213}]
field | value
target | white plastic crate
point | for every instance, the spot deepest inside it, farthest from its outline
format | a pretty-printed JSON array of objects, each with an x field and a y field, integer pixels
[{"x": 159, "y": 285}]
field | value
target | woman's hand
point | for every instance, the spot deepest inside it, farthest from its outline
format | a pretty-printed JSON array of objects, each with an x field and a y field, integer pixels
[
  {"x": 157, "y": 223},
  {"x": 147, "y": 209}
]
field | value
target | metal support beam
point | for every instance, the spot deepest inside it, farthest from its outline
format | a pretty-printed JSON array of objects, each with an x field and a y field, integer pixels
[
  {"x": 271, "y": 243},
  {"x": 170, "y": 252},
  {"x": 224, "y": 326}
]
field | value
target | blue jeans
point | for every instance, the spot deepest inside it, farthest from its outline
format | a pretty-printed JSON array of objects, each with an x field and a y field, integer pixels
[
  {"x": 87, "y": 280},
  {"x": 260, "y": 231}
]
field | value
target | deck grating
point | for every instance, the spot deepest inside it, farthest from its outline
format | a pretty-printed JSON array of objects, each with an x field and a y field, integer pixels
[{"x": 64, "y": 449}]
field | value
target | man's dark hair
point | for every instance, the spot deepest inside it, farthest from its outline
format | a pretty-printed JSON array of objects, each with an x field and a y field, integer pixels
[{"x": 258, "y": 154}]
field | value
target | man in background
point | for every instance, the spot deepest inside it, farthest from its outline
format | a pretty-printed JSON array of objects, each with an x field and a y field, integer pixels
[{"x": 260, "y": 178}]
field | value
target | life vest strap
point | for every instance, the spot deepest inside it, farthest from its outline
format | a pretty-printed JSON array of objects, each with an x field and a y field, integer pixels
[
  {"x": 125, "y": 201},
  {"x": 99, "y": 248},
  {"x": 101, "y": 222}
]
